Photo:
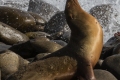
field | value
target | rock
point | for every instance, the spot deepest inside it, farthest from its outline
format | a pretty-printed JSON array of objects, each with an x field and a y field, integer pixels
[
  {"x": 112, "y": 42},
  {"x": 109, "y": 46},
  {"x": 116, "y": 49},
  {"x": 41, "y": 55},
  {"x": 106, "y": 52},
  {"x": 45, "y": 10},
  {"x": 103, "y": 75},
  {"x": 30, "y": 59},
  {"x": 112, "y": 64},
  {"x": 109, "y": 18},
  {"x": 4, "y": 46},
  {"x": 20, "y": 20},
  {"x": 38, "y": 19},
  {"x": 43, "y": 45},
  {"x": 33, "y": 47},
  {"x": 58, "y": 27},
  {"x": 10, "y": 62},
  {"x": 10, "y": 35},
  {"x": 24, "y": 49},
  {"x": 62, "y": 43},
  {"x": 33, "y": 35}
]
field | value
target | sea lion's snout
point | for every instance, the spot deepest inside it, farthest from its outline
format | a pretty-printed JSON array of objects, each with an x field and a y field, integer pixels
[{"x": 72, "y": 8}]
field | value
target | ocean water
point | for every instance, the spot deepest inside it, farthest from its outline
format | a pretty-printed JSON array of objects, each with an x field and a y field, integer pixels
[{"x": 109, "y": 30}]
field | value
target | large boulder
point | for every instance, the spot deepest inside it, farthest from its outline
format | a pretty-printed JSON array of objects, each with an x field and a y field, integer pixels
[
  {"x": 10, "y": 35},
  {"x": 10, "y": 62}
]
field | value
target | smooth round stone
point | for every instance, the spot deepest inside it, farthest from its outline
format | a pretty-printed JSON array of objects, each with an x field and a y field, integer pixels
[
  {"x": 109, "y": 46},
  {"x": 106, "y": 53},
  {"x": 58, "y": 27},
  {"x": 112, "y": 64},
  {"x": 10, "y": 62},
  {"x": 33, "y": 47},
  {"x": 33, "y": 35},
  {"x": 112, "y": 42},
  {"x": 43, "y": 45},
  {"x": 104, "y": 75},
  {"x": 20, "y": 20},
  {"x": 116, "y": 49},
  {"x": 62, "y": 43},
  {"x": 39, "y": 28},
  {"x": 38, "y": 19},
  {"x": 10, "y": 35},
  {"x": 45, "y": 10}
]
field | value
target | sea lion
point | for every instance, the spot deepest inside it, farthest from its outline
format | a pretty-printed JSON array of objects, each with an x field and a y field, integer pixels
[{"x": 77, "y": 59}]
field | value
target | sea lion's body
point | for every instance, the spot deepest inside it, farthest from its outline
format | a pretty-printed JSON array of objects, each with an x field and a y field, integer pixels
[{"x": 78, "y": 58}]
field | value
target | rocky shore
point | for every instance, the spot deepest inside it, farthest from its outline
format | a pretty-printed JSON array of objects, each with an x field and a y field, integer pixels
[{"x": 28, "y": 36}]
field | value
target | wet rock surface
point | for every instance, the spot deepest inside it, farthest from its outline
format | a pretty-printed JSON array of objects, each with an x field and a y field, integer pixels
[
  {"x": 43, "y": 45},
  {"x": 38, "y": 34},
  {"x": 112, "y": 64},
  {"x": 21, "y": 20},
  {"x": 62, "y": 43},
  {"x": 110, "y": 47},
  {"x": 104, "y": 75},
  {"x": 38, "y": 19},
  {"x": 40, "y": 56},
  {"x": 45, "y": 10},
  {"x": 116, "y": 49},
  {"x": 58, "y": 27},
  {"x": 10, "y": 35},
  {"x": 10, "y": 62},
  {"x": 33, "y": 47}
]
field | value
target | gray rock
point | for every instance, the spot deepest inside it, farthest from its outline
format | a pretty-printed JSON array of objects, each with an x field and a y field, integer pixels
[
  {"x": 41, "y": 55},
  {"x": 112, "y": 64},
  {"x": 104, "y": 75},
  {"x": 33, "y": 35},
  {"x": 10, "y": 62},
  {"x": 4, "y": 46},
  {"x": 44, "y": 9},
  {"x": 43, "y": 45},
  {"x": 116, "y": 49},
  {"x": 10, "y": 35},
  {"x": 58, "y": 27},
  {"x": 35, "y": 46},
  {"x": 109, "y": 46},
  {"x": 39, "y": 20},
  {"x": 62, "y": 43}
]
